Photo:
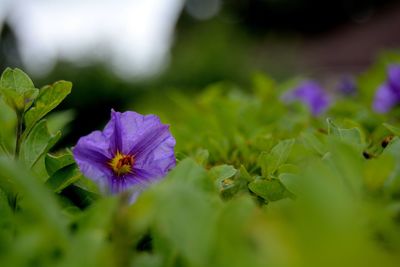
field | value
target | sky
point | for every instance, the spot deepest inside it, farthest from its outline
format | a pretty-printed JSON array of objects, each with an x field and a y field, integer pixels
[{"x": 133, "y": 37}]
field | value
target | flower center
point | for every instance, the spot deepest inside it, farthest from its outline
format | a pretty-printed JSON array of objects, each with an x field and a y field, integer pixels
[{"x": 121, "y": 164}]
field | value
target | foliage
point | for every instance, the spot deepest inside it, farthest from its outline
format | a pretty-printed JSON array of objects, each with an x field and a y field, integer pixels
[{"x": 258, "y": 183}]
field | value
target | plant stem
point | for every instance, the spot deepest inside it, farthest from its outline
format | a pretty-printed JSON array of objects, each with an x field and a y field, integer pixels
[{"x": 19, "y": 134}]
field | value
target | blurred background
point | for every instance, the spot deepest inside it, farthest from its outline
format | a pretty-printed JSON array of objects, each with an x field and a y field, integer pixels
[{"x": 118, "y": 52}]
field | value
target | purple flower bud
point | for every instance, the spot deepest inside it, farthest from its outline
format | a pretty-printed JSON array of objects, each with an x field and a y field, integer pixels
[
  {"x": 311, "y": 94},
  {"x": 131, "y": 152}
]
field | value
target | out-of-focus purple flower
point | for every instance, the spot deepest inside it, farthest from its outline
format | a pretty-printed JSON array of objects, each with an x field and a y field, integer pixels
[
  {"x": 131, "y": 152},
  {"x": 385, "y": 99},
  {"x": 388, "y": 94},
  {"x": 394, "y": 78},
  {"x": 311, "y": 94},
  {"x": 347, "y": 86}
]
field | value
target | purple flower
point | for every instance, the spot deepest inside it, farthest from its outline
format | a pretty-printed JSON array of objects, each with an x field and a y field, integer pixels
[
  {"x": 394, "y": 78},
  {"x": 347, "y": 86},
  {"x": 385, "y": 99},
  {"x": 388, "y": 94},
  {"x": 311, "y": 94},
  {"x": 132, "y": 151}
]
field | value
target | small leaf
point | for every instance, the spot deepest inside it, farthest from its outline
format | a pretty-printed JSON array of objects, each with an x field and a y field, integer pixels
[
  {"x": 63, "y": 178},
  {"x": 222, "y": 172},
  {"x": 38, "y": 143},
  {"x": 56, "y": 162},
  {"x": 17, "y": 89},
  {"x": 263, "y": 162},
  {"x": 291, "y": 181},
  {"x": 49, "y": 97},
  {"x": 244, "y": 174},
  {"x": 352, "y": 135},
  {"x": 270, "y": 190},
  {"x": 270, "y": 162},
  {"x": 222, "y": 176},
  {"x": 235, "y": 184},
  {"x": 16, "y": 80}
]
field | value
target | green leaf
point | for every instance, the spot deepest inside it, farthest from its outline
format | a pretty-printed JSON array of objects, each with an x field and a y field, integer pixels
[
  {"x": 188, "y": 171},
  {"x": 99, "y": 215},
  {"x": 222, "y": 172},
  {"x": 291, "y": 181},
  {"x": 263, "y": 162},
  {"x": 244, "y": 174},
  {"x": 232, "y": 182},
  {"x": 392, "y": 184},
  {"x": 12, "y": 98},
  {"x": 352, "y": 135},
  {"x": 56, "y": 162},
  {"x": 63, "y": 178},
  {"x": 395, "y": 130},
  {"x": 17, "y": 89},
  {"x": 83, "y": 197},
  {"x": 185, "y": 216},
  {"x": 16, "y": 80},
  {"x": 377, "y": 170},
  {"x": 36, "y": 197},
  {"x": 312, "y": 141},
  {"x": 49, "y": 97},
  {"x": 270, "y": 162},
  {"x": 346, "y": 162},
  {"x": 19, "y": 101},
  {"x": 270, "y": 190},
  {"x": 222, "y": 176},
  {"x": 38, "y": 143}
]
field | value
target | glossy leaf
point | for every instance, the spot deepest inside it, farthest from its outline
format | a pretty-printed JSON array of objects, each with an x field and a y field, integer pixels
[
  {"x": 17, "y": 89},
  {"x": 270, "y": 162},
  {"x": 56, "y": 162},
  {"x": 37, "y": 144},
  {"x": 352, "y": 135},
  {"x": 63, "y": 178},
  {"x": 49, "y": 97}
]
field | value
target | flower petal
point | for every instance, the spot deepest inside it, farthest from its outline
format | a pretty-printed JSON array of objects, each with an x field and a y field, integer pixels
[
  {"x": 116, "y": 138},
  {"x": 125, "y": 129},
  {"x": 91, "y": 153},
  {"x": 154, "y": 153}
]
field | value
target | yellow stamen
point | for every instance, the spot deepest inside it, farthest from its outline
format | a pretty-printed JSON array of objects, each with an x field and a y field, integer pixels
[{"x": 121, "y": 164}]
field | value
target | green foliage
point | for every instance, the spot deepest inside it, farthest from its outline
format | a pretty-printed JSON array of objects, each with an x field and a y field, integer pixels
[
  {"x": 37, "y": 144},
  {"x": 49, "y": 97},
  {"x": 258, "y": 183},
  {"x": 17, "y": 89}
]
